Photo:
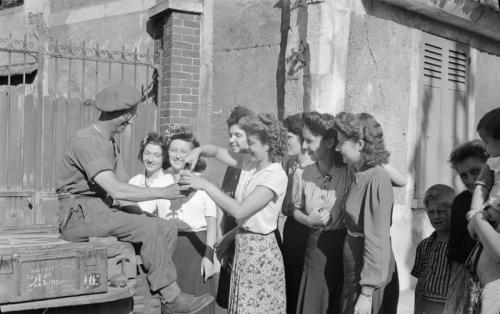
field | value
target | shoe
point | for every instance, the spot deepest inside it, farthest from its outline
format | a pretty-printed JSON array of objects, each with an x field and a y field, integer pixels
[{"x": 187, "y": 304}]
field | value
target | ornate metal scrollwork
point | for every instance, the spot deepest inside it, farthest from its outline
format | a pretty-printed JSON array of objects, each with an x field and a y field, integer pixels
[{"x": 29, "y": 43}]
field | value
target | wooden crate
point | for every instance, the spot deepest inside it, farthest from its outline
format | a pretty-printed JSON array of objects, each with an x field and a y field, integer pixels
[{"x": 37, "y": 266}]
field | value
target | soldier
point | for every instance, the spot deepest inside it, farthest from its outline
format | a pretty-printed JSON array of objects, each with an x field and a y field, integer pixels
[{"x": 92, "y": 182}]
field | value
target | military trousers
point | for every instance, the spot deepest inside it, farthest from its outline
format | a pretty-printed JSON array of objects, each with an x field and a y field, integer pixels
[{"x": 91, "y": 217}]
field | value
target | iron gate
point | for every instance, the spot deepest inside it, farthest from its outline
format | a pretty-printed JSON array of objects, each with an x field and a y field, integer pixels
[{"x": 43, "y": 87}]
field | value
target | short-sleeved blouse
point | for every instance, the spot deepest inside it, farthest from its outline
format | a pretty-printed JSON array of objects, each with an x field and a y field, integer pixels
[
  {"x": 314, "y": 191},
  {"x": 272, "y": 177},
  {"x": 292, "y": 166},
  {"x": 159, "y": 205},
  {"x": 192, "y": 210}
]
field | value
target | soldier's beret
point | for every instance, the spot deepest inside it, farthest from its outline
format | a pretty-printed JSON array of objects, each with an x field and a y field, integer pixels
[{"x": 117, "y": 96}]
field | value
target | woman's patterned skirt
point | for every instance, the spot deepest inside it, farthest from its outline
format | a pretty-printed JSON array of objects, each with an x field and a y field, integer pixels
[{"x": 258, "y": 276}]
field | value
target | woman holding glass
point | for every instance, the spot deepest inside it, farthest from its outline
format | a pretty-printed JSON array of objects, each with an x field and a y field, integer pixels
[{"x": 257, "y": 278}]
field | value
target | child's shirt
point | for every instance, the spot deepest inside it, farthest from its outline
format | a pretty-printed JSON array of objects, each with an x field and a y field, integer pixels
[
  {"x": 490, "y": 178},
  {"x": 432, "y": 269}
]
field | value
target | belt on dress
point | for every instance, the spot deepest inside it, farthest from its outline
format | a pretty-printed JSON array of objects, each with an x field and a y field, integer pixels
[
  {"x": 355, "y": 234},
  {"x": 242, "y": 229}
]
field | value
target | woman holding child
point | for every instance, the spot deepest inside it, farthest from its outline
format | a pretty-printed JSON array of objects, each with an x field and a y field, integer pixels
[
  {"x": 257, "y": 278},
  {"x": 485, "y": 217},
  {"x": 467, "y": 160}
]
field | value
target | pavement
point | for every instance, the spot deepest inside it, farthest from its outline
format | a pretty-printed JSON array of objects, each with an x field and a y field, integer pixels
[{"x": 405, "y": 304}]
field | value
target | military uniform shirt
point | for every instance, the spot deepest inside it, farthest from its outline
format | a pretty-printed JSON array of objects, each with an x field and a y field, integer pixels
[{"x": 87, "y": 155}]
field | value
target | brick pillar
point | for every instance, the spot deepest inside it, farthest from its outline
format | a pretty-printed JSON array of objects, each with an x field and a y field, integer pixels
[{"x": 181, "y": 69}]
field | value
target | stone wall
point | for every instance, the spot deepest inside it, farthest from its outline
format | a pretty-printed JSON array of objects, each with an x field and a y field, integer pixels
[{"x": 245, "y": 47}]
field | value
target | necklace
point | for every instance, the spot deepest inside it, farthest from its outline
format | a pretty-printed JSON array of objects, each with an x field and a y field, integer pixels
[{"x": 326, "y": 177}]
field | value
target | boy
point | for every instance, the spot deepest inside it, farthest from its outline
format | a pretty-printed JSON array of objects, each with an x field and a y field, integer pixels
[{"x": 432, "y": 268}]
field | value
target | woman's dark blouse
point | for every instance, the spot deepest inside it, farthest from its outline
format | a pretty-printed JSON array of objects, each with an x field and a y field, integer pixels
[
  {"x": 368, "y": 212},
  {"x": 460, "y": 243}
]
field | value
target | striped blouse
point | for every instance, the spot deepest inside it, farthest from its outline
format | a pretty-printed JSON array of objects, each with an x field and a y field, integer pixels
[{"x": 432, "y": 269}]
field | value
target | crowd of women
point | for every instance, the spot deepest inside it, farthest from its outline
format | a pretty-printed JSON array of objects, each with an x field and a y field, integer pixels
[
  {"x": 301, "y": 223},
  {"x": 328, "y": 179}
]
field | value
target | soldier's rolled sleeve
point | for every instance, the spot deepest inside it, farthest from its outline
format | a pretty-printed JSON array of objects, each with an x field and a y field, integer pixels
[{"x": 89, "y": 157}]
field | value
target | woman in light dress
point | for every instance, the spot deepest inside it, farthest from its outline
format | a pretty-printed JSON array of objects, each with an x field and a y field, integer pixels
[{"x": 257, "y": 278}]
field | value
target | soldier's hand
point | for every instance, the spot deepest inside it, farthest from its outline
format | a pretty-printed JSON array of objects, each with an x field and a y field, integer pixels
[{"x": 173, "y": 191}]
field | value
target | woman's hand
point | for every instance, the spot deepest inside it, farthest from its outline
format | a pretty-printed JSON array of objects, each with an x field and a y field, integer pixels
[
  {"x": 363, "y": 305},
  {"x": 192, "y": 181},
  {"x": 192, "y": 158},
  {"x": 318, "y": 218},
  {"x": 471, "y": 213},
  {"x": 207, "y": 268},
  {"x": 224, "y": 249},
  {"x": 475, "y": 219}
]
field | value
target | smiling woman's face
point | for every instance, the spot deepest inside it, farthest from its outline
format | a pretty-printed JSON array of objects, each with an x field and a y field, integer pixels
[
  {"x": 152, "y": 158},
  {"x": 177, "y": 151},
  {"x": 237, "y": 139}
]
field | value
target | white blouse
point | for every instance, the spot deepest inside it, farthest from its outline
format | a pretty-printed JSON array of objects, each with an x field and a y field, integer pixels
[
  {"x": 272, "y": 177},
  {"x": 192, "y": 210},
  {"x": 159, "y": 205}
]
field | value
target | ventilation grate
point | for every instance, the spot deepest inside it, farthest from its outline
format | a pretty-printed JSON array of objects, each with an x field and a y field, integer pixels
[
  {"x": 457, "y": 67},
  {"x": 433, "y": 61}
]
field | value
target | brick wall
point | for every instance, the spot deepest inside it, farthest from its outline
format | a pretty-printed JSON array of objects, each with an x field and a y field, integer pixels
[{"x": 181, "y": 69}]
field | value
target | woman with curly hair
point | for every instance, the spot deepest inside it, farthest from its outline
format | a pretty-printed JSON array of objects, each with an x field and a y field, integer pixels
[
  {"x": 153, "y": 154},
  {"x": 238, "y": 144},
  {"x": 257, "y": 278},
  {"x": 370, "y": 276},
  {"x": 195, "y": 217},
  {"x": 317, "y": 205}
]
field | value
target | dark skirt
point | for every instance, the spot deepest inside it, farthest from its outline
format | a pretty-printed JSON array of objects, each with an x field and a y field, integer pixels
[
  {"x": 222, "y": 298},
  {"x": 385, "y": 298},
  {"x": 187, "y": 258},
  {"x": 322, "y": 277},
  {"x": 295, "y": 237}
]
